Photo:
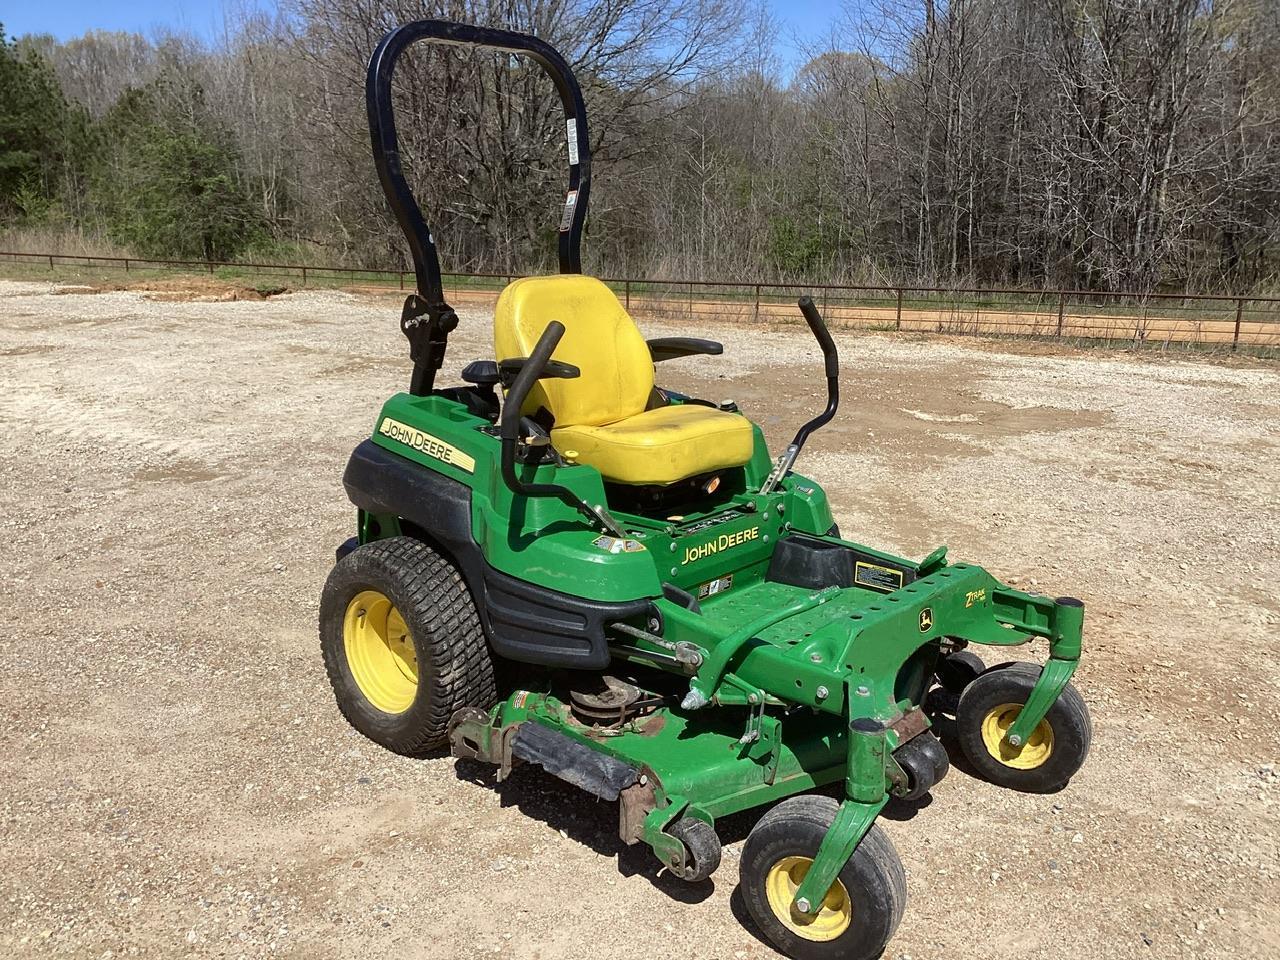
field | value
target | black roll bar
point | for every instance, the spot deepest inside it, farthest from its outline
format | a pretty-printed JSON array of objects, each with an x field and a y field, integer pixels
[{"x": 428, "y": 340}]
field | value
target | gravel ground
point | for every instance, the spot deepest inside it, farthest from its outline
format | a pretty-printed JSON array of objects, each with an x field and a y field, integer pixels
[{"x": 179, "y": 783}]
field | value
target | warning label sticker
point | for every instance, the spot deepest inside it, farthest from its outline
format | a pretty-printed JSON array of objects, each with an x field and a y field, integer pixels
[
  {"x": 876, "y": 576},
  {"x": 571, "y": 126},
  {"x": 570, "y": 203}
]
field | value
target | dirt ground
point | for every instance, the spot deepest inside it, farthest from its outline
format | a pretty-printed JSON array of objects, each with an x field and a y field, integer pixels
[{"x": 178, "y": 782}]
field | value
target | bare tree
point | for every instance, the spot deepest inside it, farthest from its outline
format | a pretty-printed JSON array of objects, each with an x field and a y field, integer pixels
[{"x": 1105, "y": 144}]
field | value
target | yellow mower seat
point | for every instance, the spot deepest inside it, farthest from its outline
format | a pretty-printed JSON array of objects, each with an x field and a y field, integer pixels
[{"x": 600, "y": 416}]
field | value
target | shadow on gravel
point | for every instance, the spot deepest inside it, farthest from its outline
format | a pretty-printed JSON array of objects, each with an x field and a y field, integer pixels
[
  {"x": 738, "y": 907},
  {"x": 902, "y": 810},
  {"x": 944, "y": 727},
  {"x": 585, "y": 820}
]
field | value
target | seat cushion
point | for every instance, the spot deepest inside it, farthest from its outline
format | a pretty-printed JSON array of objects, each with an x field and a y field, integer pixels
[
  {"x": 660, "y": 446},
  {"x": 599, "y": 338}
]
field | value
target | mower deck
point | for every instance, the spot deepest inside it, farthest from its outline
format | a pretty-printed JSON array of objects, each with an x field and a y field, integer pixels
[{"x": 856, "y": 653}]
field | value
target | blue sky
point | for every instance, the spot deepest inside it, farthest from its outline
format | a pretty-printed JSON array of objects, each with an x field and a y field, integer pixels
[{"x": 70, "y": 18}]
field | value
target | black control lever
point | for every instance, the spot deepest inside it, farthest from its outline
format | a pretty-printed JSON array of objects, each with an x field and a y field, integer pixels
[
  {"x": 529, "y": 370},
  {"x": 508, "y": 370},
  {"x": 831, "y": 363}
]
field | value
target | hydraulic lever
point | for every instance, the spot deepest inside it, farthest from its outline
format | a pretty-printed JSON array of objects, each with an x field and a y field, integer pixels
[
  {"x": 831, "y": 361},
  {"x": 538, "y": 366}
]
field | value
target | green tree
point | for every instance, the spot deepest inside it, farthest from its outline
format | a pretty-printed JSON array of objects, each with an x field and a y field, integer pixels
[
  {"x": 42, "y": 138},
  {"x": 169, "y": 184}
]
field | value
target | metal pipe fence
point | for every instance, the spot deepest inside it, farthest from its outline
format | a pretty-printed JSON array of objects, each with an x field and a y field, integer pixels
[{"x": 1164, "y": 319}]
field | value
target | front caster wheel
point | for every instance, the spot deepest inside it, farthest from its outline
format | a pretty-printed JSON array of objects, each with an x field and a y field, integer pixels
[
  {"x": 1054, "y": 751},
  {"x": 924, "y": 760},
  {"x": 702, "y": 848},
  {"x": 862, "y": 908}
]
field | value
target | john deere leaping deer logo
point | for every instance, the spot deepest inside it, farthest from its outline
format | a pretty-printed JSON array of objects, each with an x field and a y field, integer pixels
[{"x": 926, "y": 619}]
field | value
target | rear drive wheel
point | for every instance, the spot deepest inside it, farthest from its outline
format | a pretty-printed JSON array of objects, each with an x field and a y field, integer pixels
[
  {"x": 1054, "y": 751},
  {"x": 402, "y": 644},
  {"x": 861, "y": 909}
]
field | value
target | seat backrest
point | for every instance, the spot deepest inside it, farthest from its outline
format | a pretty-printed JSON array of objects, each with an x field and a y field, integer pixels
[{"x": 599, "y": 338}]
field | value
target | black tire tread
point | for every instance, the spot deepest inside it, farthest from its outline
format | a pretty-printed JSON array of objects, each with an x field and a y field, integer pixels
[
  {"x": 1069, "y": 715},
  {"x": 702, "y": 842},
  {"x": 820, "y": 811},
  {"x": 957, "y": 670},
  {"x": 919, "y": 748},
  {"x": 428, "y": 590}
]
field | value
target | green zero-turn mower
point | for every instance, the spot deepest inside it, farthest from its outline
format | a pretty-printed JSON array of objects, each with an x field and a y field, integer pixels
[{"x": 561, "y": 563}]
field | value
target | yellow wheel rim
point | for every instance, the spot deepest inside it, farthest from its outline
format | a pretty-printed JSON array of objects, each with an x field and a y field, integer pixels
[
  {"x": 380, "y": 652},
  {"x": 1031, "y": 754},
  {"x": 833, "y": 916}
]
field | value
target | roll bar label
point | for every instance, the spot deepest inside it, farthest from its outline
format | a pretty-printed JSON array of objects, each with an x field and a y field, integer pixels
[
  {"x": 572, "y": 126},
  {"x": 425, "y": 443},
  {"x": 570, "y": 203}
]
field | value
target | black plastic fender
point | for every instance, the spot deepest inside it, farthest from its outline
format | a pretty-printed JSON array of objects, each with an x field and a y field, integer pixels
[{"x": 524, "y": 622}]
